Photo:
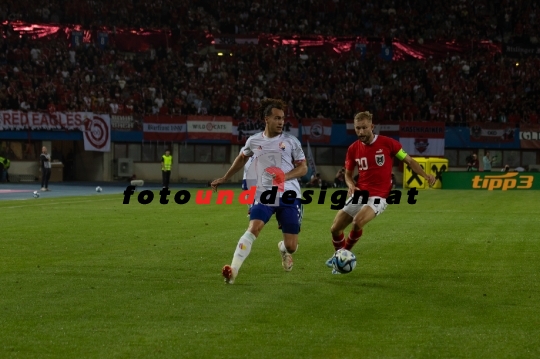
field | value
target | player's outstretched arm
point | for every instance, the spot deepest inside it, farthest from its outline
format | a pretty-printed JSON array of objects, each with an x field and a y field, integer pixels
[
  {"x": 415, "y": 166},
  {"x": 238, "y": 164}
]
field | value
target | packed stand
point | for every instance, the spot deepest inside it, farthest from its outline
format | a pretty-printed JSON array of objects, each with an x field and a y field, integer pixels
[
  {"x": 50, "y": 76},
  {"x": 497, "y": 20}
]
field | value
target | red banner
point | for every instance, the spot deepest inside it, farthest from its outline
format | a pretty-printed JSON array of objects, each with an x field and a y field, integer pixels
[
  {"x": 421, "y": 129},
  {"x": 126, "y": 122},
  {"x": 236, "y": 40},
  {"x": 529, "y": 136},
  {"x": 316, "y": 130},
  {"x": 492, "y": 132},
  {"x": 291, "y": 126},
  {"x": 390, "y": 129},
  {"x": 422, "y": 138},
  {"x": 97, "y": 133},
  {"x": 96, "y": 128},
  {"x": 209, "y": 127},
  {"x": 245, "y": 127},
  {"x": 141, "y": 40},
  {"x": 19, "y": 120},
  {"x": 164, "y": 128}
]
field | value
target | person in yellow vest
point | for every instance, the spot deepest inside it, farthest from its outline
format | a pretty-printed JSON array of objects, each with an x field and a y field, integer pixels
[
  {"x": 7, "y": 163},
  {"x": 166, "y": 164},
  {"x": 2, "y": 168}
]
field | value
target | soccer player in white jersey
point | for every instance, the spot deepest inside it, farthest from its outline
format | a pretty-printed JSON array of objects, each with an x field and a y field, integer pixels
[
  {"x": 244, "y": 179},
  {"x": 288, "y": 163}
]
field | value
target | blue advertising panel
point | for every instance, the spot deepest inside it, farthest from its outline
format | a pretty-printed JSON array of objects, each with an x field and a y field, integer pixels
[{"x": 460, "y": 137}]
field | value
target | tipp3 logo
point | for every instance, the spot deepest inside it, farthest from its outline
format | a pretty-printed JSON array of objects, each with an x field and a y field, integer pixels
[{"x": 511, "y": 180}]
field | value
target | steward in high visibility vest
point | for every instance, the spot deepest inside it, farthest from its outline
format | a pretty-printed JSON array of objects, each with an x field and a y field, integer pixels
[
  {"x": 166, "y": 164},
  {"x": 2, "y": 159},
  {"x": 7, "y": 163}
]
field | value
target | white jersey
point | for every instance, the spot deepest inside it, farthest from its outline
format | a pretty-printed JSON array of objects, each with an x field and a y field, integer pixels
[
  {"x": 281, "y": 152},
  {"x": 246, "y": 166}
]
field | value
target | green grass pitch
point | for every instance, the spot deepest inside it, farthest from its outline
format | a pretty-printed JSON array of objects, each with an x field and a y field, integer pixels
[{"x": 454, "y": 276}]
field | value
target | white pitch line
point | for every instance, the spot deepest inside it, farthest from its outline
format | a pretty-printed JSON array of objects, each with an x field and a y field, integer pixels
[{"x": 64, "y": 202}]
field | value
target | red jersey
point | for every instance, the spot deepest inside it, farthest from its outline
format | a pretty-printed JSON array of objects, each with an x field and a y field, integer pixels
[{"x": 374, "y": 163}]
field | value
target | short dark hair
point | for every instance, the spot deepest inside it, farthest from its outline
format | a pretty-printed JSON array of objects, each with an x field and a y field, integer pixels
[{"x": 266, "y": 106}]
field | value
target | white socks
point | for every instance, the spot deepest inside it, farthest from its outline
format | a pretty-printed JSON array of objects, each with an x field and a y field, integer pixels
[
  {"x": 242, "y": 250},
  {"x": 284, "y": 249}
]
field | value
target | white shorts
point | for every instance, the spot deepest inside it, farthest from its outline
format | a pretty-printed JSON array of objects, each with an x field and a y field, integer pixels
[{"x": 378, "y": 204}]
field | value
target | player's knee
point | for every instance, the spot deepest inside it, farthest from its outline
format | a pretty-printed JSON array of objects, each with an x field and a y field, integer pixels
[
  {"x": 291, "y": 248},
  {"x": 255, "y": 228},
  {"x": 335, "y": 230},
  {"x": 254, "y": 231},
  {"x": 358, "y": 223}
]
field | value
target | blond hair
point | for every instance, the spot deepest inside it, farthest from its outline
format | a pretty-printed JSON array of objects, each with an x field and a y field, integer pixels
[{"x": 366, "y": 115}]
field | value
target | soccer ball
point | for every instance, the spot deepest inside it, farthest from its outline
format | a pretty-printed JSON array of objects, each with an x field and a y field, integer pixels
[
  {"x": 98, "y": 189},
  {"x": 344, "y": 261},
  {"x": 36, "y": 194}
]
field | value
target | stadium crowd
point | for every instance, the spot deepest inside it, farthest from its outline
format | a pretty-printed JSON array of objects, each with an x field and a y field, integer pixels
[
  {"x": 48, "y": 75},
  {"x": 428, "y": 19}
]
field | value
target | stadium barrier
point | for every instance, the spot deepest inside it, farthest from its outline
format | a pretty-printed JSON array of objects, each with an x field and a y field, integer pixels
[{"x": 491, "y": 181}]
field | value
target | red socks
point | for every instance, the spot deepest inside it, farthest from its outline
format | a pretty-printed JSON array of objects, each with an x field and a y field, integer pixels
[
  {"x": 338, "y": 241},
  {"x": 354, "y": 236}
]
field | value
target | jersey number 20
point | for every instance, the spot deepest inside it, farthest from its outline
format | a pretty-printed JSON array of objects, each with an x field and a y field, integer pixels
[{"x": 362, "y": 163}]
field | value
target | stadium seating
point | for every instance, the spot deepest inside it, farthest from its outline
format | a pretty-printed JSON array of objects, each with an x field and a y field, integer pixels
[{"x": 49, "y": 75}]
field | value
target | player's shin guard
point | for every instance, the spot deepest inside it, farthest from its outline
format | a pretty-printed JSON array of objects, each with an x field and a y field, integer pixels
[
  {"x": 338, "y": 241},
  {"x": 242, "y": 250},
  {"x": 354, "y": 236}
]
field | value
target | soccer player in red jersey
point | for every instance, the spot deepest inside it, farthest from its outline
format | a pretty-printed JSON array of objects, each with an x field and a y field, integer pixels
[{"x": 373, "y": 155}]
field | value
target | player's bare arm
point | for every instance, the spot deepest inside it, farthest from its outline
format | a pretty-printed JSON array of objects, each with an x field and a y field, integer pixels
[
  {"x": 299, "y": 171},
  {"x": 238, "y": 164},
  {"x": 415, "y": 166},
  {"x": 349, "y": 180}
]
